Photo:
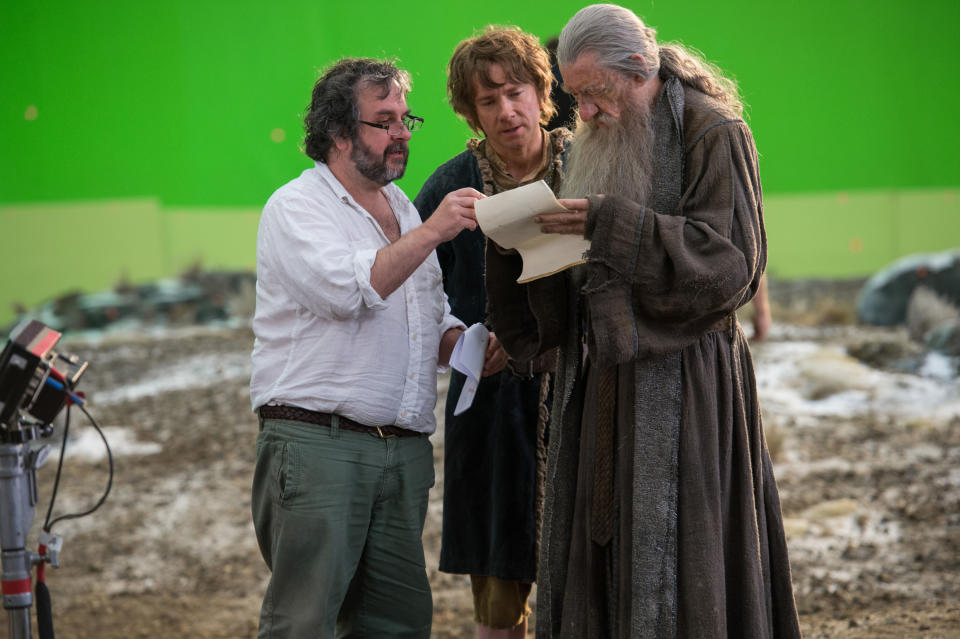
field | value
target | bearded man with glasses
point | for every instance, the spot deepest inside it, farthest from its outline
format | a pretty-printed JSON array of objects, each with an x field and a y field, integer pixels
[{"x": 351, "y": 323}]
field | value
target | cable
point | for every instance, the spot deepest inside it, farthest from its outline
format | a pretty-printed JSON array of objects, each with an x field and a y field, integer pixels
[
  {"x": 76, "y": 399},
  {"x": 66, "y": 429},
  {"x": 56, "y": 479}
]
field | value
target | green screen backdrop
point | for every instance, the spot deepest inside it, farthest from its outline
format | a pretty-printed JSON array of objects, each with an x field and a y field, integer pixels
[{"x": 181, "y": 107}]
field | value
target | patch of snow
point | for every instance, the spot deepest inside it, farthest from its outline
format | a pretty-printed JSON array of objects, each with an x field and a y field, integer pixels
[
  {"x": 88, "y": 446},
  {"x": 199, "y": 371},
  {"x": 939, "y": 366},
  {"x": 804, "y": 379}
]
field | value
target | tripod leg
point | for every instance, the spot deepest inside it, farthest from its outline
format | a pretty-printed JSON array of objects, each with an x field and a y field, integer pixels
[
  {"x": 16, "y": 515},
  {"x": 19, "y": 623}
]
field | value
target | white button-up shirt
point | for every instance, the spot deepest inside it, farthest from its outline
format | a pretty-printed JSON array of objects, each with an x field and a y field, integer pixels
[{"x": 325, "y": 339}]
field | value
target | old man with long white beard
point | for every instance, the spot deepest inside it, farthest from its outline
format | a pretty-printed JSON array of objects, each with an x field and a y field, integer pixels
[{"x": 662, "y": 517}]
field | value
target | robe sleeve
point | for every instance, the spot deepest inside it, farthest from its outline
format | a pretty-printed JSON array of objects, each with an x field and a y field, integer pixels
[
  {"x": 658, "y": 280},
  {"x": 529, "y": 319}
]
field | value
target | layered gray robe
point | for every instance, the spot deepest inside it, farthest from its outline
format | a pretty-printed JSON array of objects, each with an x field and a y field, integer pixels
[{"x": 698, "y": 547}]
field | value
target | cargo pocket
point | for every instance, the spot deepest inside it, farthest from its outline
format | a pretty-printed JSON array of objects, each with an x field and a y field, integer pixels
[{"x": 288, "y": 473}]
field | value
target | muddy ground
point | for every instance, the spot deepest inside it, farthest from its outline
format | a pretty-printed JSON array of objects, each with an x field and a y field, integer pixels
[{"x": 870, "y": 491}]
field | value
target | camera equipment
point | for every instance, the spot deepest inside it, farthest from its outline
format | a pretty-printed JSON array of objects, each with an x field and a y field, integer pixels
[
  {"x": 34, "y": 381},
  {"x": 27, "y": 362}
]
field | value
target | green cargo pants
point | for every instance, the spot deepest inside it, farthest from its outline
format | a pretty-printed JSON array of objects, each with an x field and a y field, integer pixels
[{"x": 339, "y": 517}]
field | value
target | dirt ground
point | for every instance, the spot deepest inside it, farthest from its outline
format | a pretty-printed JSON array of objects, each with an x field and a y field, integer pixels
[{"x": 871, "y": 501}]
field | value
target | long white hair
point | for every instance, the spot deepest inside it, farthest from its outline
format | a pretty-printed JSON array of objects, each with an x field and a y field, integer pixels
[{"x": 615, "y": 34}]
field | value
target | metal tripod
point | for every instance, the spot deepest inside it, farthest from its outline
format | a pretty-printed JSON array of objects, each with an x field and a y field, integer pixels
[{"x": 18, "y": 500}]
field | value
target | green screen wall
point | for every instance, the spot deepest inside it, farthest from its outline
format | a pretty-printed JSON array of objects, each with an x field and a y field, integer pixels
[{"x": 181, "y": 106}]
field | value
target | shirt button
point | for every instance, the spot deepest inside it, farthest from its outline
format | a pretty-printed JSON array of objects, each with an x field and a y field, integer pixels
[{"x": 403, "y": 414}]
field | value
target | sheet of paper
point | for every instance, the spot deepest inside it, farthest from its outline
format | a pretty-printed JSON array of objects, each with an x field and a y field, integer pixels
[
  {"x": 507, "y": 218},
  {"x": 467, "y": 357}
]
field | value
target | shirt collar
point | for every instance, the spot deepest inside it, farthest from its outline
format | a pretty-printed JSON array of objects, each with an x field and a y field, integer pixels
[
  {"x": 500, "y": 168},
  {"x": 390, "y": 190},
  {"x": 325, "y": 174}
]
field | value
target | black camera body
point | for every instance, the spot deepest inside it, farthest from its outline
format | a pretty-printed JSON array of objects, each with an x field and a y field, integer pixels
[{"x": 34, "y": 378}]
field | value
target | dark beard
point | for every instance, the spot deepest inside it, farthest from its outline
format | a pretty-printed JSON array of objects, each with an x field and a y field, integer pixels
[
  {"x": 616, "y": 159},
  {"x": 375, "y": 169}
]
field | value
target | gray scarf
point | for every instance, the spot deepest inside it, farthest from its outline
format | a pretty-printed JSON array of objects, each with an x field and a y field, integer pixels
[{"x": 646, "y": 563}]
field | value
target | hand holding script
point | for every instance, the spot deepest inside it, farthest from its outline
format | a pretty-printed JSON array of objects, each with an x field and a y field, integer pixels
[{"x": 507, "y": 219}]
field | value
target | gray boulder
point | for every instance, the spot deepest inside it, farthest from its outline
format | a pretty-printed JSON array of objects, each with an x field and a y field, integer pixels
[
  {"x": 934, "y": 321},
  {"x": 886, "y": 295}
]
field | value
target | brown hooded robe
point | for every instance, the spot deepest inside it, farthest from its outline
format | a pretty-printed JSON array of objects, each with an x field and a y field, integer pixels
[{"x": 662, "y": 517}]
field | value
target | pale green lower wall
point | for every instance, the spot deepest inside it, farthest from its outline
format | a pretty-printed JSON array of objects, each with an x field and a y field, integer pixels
[
  {"x": 52, "y": 249},
  {"x": 90, "y": 246},
  {"x": 837, "y": 235},
  {"x": 225, "y": 238}
]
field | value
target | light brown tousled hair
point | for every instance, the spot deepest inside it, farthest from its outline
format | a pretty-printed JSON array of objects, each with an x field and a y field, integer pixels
[{"x": 520, "y": 56}]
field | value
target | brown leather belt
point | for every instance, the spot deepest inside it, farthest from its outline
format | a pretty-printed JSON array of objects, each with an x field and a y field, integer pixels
[
  {"x": 543, "y": 363},
  {"x": 324, "y": 419}
]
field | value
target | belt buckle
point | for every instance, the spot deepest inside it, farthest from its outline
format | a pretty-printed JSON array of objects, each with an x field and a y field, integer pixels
[{"x": 381, "y": 435}]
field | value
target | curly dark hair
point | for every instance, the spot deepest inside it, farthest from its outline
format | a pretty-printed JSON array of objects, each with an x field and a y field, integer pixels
[
  {"x": 520, "y": 56},
  {"x": 333, "y": 111}
]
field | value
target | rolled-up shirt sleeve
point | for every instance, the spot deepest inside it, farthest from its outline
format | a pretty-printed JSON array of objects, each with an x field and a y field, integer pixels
[
  {"x": 363, "y": 266},
  {"x": 448, "y": 322},
  {"x": 321, "y": 266}
]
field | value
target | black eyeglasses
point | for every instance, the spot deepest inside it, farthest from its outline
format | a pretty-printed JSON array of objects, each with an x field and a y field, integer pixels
[{"x": 409, "y": 122}]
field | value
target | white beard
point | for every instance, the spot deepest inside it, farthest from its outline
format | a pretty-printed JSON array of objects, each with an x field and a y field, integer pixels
[{"x": 616, "y": 159}]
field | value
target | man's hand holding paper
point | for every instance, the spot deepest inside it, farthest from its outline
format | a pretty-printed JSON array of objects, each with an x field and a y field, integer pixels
[
  {"x": 572, "y": 221},
  {"x": 477, "y": 354},
  {"x": 509, "y": 219},
  {"x": 495, "y": 359}
]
